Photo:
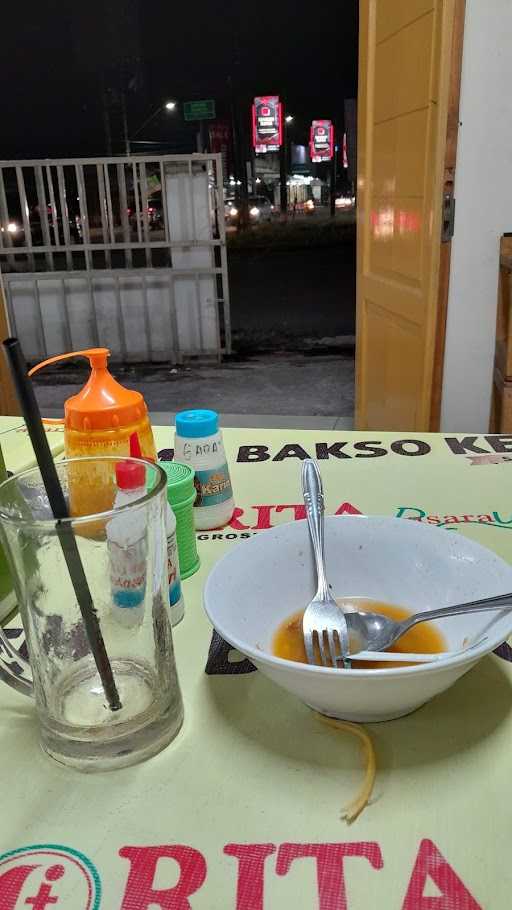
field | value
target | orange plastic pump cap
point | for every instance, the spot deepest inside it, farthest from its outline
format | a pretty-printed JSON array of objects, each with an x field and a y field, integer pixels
[{"x": 103, "y": 403}]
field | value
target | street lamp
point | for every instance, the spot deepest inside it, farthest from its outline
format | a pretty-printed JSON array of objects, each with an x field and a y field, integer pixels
[
  {"x": 168, "y": 106},
  {"x": 289, "y": 118}
]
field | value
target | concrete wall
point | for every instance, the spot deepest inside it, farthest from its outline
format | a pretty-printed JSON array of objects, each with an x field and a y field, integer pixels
[{"x": 483, "y": 191}]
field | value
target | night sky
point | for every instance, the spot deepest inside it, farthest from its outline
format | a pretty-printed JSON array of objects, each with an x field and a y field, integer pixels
[{"x": 57, "y": 56}]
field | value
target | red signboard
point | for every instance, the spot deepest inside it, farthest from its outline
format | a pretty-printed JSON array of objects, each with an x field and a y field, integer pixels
[
  {"x": 267, "y": 124},
  {"x": 321, "y": 140},
  {"x": 220, "y": 141},
  {"x": 220, "y": 136}
]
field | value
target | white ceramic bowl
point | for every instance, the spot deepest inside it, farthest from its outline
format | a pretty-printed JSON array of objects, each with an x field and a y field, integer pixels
[{"x": 268, "y": 577}]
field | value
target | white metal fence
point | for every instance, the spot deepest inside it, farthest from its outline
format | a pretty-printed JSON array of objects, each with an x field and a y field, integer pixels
[{"x": 125, "y": 252}]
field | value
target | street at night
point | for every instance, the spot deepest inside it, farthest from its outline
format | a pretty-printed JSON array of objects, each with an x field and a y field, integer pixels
[
  {"x": 197, "y": 83},
  {"x": 292, "y": 299}
]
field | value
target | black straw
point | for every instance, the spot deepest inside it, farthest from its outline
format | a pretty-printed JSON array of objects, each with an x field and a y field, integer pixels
[{"x": 31, "y": 413}]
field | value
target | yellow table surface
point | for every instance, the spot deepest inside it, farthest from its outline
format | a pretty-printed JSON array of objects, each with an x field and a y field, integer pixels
[
  {"x": 253, "y": 768},
  {"x": 16, "y": 448}
]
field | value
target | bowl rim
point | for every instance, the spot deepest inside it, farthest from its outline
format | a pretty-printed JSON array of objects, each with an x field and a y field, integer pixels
[{"x": 261, "y": 656}]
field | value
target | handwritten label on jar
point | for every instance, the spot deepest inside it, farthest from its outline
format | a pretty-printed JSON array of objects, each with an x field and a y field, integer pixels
[
  {"x": 213, "y": 486},
  {"x": 199, "y": 450}
]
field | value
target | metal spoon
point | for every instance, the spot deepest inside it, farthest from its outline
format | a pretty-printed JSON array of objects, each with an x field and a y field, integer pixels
[{"x": 375, "y": 632}]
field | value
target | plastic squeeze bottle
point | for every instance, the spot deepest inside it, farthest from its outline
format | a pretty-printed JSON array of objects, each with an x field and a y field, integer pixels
[
  {"x": 99, "y": 420},
  {"x": 177, "y": 603},
  {"x": 127, "y": 546}
]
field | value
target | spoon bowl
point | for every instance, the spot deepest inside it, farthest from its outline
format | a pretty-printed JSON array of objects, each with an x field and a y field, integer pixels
[{"x": 376, "y": 632}]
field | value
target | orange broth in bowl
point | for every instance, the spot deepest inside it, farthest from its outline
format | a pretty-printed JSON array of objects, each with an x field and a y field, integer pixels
[{"x": 288, "y": 640}]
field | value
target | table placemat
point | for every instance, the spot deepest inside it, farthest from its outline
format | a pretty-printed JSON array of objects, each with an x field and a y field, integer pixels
[
  {"x": 16, "y": 446},
  {"x": 242, "y": 811}
]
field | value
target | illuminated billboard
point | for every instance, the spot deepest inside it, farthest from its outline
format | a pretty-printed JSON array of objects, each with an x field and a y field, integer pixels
[
  {"x": 321, "y": 140},
  {"x": 267, "y": 124}
]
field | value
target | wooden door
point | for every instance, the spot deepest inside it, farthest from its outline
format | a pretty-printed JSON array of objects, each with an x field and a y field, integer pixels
[{"x": 409, "y": 69}]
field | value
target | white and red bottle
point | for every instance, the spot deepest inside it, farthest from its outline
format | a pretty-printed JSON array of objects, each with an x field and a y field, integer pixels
[
  {"x": 127, "y": 546},
  {"x": 173, "y": 568},
  {"x": 177, "y": 604}
]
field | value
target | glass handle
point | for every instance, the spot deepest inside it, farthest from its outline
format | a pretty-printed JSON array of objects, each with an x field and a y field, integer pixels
[{"x": 14, "y": 669}]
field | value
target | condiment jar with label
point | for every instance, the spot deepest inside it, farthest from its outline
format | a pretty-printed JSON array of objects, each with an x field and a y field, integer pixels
[
  {"x": 181, "y": 495},
  {"x": 199, "y": 444}
]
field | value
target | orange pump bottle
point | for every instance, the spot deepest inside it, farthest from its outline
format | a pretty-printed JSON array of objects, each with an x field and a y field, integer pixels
[{"x": 99, "y": 420}]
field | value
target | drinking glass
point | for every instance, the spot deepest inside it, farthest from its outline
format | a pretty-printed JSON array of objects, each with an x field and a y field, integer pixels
[
  {"x": 123, "y": 552},
  {"x": 7, "y": 601}
]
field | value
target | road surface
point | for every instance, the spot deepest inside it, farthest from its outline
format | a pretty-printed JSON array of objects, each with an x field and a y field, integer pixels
[{"x": 286, "y": 298}]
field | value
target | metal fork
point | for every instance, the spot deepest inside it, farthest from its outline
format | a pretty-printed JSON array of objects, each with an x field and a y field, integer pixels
[{"x": 323, "y": 617}]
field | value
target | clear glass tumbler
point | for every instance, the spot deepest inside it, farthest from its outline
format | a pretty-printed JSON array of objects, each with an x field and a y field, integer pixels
[
  {"x": 7, "y": 601},
  {"x": 123, "y": 553}
]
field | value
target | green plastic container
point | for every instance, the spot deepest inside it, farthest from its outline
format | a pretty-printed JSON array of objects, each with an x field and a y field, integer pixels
[{"x": 181, "y": 495}]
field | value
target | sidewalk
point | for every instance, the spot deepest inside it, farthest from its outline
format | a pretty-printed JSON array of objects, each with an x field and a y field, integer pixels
[{"x": 303, "y": 391}]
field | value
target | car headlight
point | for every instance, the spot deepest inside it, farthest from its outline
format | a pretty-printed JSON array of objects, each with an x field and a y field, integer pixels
[
  {"x": 254, "y": 211},
  {"x": 12, "y": 227},
  {"x": 233, "y": 212},
  {"x": 310, "y": 204}
]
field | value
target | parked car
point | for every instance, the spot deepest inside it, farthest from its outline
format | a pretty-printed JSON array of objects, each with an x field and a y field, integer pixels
[
  {"x": 260, "y": 209},
  {"x": 14, "y": 227},
  {"x": 344, "y": 202},
  {"x": 231, "y": 210},
  {"x": 154, "y": 211}
]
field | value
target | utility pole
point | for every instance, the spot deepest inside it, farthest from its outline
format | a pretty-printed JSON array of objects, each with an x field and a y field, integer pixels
[
  {"x": 283, "y": 176},
  {"x": 253, "y": 167},
  {"x": 244, "y": 148},
  {"x": 234, "y": 128},
  {"x": 106, "y": 117},
  {"x": 238, "y": 128},
  {"x": 124, "y": 118},
  {"x": 239, "y": 164},
  {"x": 202, "y": 143},
  {"x": 333, "y": 175}
]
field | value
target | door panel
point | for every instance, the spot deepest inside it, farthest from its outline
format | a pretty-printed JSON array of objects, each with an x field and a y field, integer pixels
[
  {"x": 386, "y": 371},
  {"x": 404, "y": 66},
  {"x": 394, "y": 14}
]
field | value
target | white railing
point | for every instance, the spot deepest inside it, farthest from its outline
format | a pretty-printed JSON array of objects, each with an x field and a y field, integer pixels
[{"x": 83, "y": 238}]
